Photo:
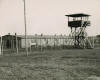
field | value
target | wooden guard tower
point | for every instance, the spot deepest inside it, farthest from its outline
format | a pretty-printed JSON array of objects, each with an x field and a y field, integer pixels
[{"x": 78, "y": 24}]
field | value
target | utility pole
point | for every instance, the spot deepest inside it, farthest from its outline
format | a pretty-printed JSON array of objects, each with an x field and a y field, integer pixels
[{"x": 26, "y": 47}]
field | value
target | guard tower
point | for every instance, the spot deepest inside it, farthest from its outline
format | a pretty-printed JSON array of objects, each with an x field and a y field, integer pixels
[{"x": 78, "y": 24}]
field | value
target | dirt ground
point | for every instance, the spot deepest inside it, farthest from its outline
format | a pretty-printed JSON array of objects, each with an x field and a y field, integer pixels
[{"x": 81, "y": 64}]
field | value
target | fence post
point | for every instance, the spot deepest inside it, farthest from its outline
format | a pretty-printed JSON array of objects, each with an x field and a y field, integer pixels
[
  {"x": 16, "y": 43},
  {"x": 0, "y": 46}
]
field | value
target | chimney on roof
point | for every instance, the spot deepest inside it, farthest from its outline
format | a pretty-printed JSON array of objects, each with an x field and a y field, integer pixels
[
  {"x": 8, "y": 33},
  {"x": 35, "y": 34},
  {"x": 41, "y": 34},
  {"x": 15, "y": 34}
]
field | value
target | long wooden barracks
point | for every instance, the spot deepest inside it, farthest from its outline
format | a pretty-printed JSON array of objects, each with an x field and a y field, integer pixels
[{"x": 12, "y": 41}]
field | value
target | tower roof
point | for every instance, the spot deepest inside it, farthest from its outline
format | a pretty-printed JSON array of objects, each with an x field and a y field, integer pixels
[{"x": 78, "y": 15}]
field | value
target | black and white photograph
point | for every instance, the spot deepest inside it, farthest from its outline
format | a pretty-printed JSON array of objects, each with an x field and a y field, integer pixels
[{"x": 49, "y": 40}]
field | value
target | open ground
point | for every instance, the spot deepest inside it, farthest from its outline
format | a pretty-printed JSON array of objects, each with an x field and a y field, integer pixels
[{"x": 72, "y": 64}]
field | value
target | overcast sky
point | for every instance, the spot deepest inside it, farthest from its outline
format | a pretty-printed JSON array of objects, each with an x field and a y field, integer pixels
[{"x": 46, "y": 16}]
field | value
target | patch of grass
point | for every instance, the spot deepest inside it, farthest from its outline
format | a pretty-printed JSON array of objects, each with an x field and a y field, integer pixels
[{"x": 51, "y": 65}]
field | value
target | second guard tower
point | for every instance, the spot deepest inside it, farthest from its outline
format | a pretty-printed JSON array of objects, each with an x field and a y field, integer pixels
[{"x": 78, "y": 24}]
